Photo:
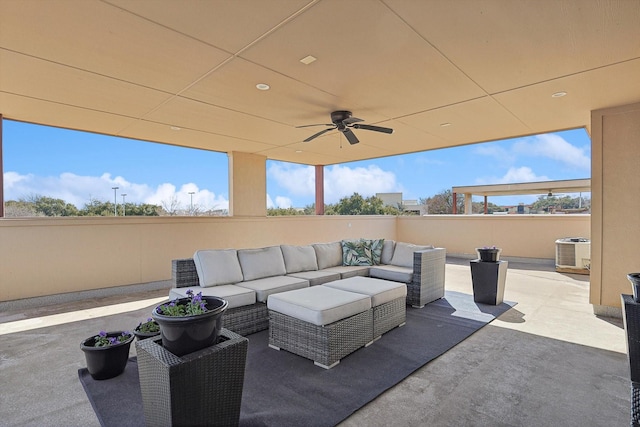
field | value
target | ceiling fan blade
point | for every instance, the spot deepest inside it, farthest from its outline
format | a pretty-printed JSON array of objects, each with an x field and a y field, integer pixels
[
  {"x": 352, "y": 120},
  {"x": 315, "y": 135},
  {"x": 351, "y": 137},
  {"x": 374, "y": 128},
  {"x": 318, "y": 124}
]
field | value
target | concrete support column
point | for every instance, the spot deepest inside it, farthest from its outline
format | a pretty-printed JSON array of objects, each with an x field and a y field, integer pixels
[
  {"x": 319, "y": 190},
  {"x": 247, "y": 184},
  {"x": 615, "y": 185},
  {"x": 468, "y": 207},
  {"x": 486, "y": 207},
  {"x": 455, "y": 203}
]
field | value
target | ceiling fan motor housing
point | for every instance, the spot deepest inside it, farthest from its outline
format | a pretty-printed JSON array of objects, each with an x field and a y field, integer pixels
[{"x": 339, "y": 116}]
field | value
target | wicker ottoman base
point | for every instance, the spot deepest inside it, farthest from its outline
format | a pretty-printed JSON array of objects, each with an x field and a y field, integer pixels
[
  {"x": 325, "y": 345},
  {"x": 200, "y": 388},
  {"x": 389, "y": 315}
]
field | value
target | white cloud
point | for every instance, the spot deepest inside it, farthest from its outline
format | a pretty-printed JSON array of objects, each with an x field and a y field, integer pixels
[
  {"x": 554, "y": 147},
  {"x": 513, "y": 175},
  {"x": 295, "y": 179},
  {"x": 283, "y": 202},
  {"x": 339, "y": 181},
  {"x": 79, "y": 190}
]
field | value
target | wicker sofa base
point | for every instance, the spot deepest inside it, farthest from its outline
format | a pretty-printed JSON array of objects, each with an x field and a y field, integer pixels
[
  {"x": 247, "y": 319},
  {"x": 325, "y": 345},
  {"x": 389, "y": 315}
]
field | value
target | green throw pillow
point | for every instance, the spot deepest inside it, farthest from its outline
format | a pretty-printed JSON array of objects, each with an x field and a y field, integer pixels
[{"x": 362, "y": 252}]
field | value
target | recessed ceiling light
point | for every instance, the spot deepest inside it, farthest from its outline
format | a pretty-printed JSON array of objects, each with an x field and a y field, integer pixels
[
  {"x": 175, "y": 128},
  {"x": 298, "y": 151},
  {"x": 263, "y": 86},
  {"x": 444, "y": 125},
  {"x": 308, "y": 59},
  {"x": 558, "y": 94}
]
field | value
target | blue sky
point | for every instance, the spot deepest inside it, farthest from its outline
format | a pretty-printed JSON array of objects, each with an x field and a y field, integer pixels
[{"x": 78, "y": 167}]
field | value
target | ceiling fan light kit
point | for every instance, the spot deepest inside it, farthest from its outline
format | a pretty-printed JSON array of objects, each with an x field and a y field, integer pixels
[{"x": 343, "y": 120}]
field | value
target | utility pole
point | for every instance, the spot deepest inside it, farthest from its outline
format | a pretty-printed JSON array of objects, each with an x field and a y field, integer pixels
[
  {"x": 191, "y": 193},
  {"x": 124, "y": 206},
  {"x": 115, "y": 201}
]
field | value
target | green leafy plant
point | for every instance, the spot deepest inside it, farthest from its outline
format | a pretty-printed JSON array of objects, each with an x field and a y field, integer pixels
[
  {"x": 150, "y": 326},
  {"x": 193, "y": 306},
  {"x": 103, "y": 340}
]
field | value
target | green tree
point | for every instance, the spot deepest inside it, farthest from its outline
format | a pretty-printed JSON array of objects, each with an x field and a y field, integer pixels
[
  {"x": 442, "y": 203},
  {"x": 284, "y": 211},
  {"x": 48, "y": 206},
  {"x": 358, "y": 205}
]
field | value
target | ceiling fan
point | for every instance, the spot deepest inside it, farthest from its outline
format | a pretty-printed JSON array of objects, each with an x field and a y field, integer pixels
[{"x": 343, "y": 121}]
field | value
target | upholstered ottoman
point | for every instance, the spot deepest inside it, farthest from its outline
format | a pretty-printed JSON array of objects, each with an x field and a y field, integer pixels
[
  {"x": 320, "y": 323},
  {"x": 388, "y": 300}
]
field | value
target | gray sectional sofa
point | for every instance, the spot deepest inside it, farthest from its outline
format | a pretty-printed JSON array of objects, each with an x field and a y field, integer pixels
[{"x": 246, "y": 277}]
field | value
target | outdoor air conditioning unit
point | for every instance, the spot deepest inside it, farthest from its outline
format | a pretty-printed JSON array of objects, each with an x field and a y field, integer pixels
[{"x": 573, "y": 255}]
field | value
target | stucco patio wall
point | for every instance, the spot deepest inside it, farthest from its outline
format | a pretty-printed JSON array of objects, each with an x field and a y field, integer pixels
[
  {"x": 57, "y": 255},
  {"x": 527, "y": 236}
]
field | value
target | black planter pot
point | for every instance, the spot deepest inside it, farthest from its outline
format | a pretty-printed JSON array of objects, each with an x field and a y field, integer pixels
[
  {"x": 634, "y": 278},
  {"x": 106, "y": 362},
  {"x": 144, "y": 335},
  {"x": 185, "y": 334},
  {"x": 489, "y": 254}
]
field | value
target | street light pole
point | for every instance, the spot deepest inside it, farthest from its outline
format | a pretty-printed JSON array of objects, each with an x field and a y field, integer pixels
[
  {"x": 191, "y": 193},
  {"x": 115, "y": 201},
  {"x": 124, "y": 206}
]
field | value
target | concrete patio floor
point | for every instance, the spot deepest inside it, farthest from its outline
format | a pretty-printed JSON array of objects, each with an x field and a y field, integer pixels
[{"x": 549, "y": 361}]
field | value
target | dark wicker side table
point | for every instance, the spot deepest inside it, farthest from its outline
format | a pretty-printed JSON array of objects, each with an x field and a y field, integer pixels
[
  {"x": 200, "y": 388},
  {"x": 488, "y": 280},
  {"x": 631, "y": 319}
]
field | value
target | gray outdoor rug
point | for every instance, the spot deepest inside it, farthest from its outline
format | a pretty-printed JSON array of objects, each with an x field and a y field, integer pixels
[{"x": 282, "y": 389}]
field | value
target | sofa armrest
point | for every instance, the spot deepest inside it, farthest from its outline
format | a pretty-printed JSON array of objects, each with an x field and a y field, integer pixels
[
  {"x": 428, "y": 277},
  {"x": 183, "y": 273}
]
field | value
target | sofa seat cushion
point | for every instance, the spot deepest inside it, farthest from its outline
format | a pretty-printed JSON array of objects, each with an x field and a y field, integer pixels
[
  {"x": 347, "y": 271},
  {"x": 262, "y": 262},
  {"x": 299, "y": 258},
  {"x": 236, "y": 296},
  {"x": 217, "y": 267},
  {"x": 380, "y": 291},
  {"x": 317, "y": 277},
  {"x": 328, "y": 254},
  {"x": 319, "y": 305},
  {"x": 403, "y": 254},
  {"x": 273, "y": 285},
  {"x": 392, "y": 272}
]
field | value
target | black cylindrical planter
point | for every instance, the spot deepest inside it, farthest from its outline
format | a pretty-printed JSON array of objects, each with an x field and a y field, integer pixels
[
  {"x": 631, "y": 320},
  {"x": 634, "y": 279},
  {"x": 489, "y": 254},
  {"x": 488, "y": 281}
]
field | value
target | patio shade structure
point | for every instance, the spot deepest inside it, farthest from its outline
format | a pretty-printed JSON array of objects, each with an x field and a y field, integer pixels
[{"x": 543, "y": 187}]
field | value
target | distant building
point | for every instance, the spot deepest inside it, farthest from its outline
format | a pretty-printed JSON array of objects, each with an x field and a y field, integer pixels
[{"x": 395, "y": 200}]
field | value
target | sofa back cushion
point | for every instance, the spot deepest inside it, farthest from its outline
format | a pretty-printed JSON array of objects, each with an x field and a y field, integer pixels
[
  {"x": 403, "y": 254},
  {"x": 387, "y": 251},
  {"x": 217, "y": 267},
  {"x": 262, "y": 262},
  {"x": 299, "y": 258},
  {"x": 328, "y": 254}
]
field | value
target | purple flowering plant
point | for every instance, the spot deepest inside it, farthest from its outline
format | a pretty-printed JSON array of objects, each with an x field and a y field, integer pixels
[
  {"x": 193, "y": 306},
  {"x": 103, "y": 340},
  {"x": 150, "y": 326}
]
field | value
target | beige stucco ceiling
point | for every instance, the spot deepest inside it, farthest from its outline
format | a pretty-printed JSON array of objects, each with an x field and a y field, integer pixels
[{"x": 488, "y": 67}]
